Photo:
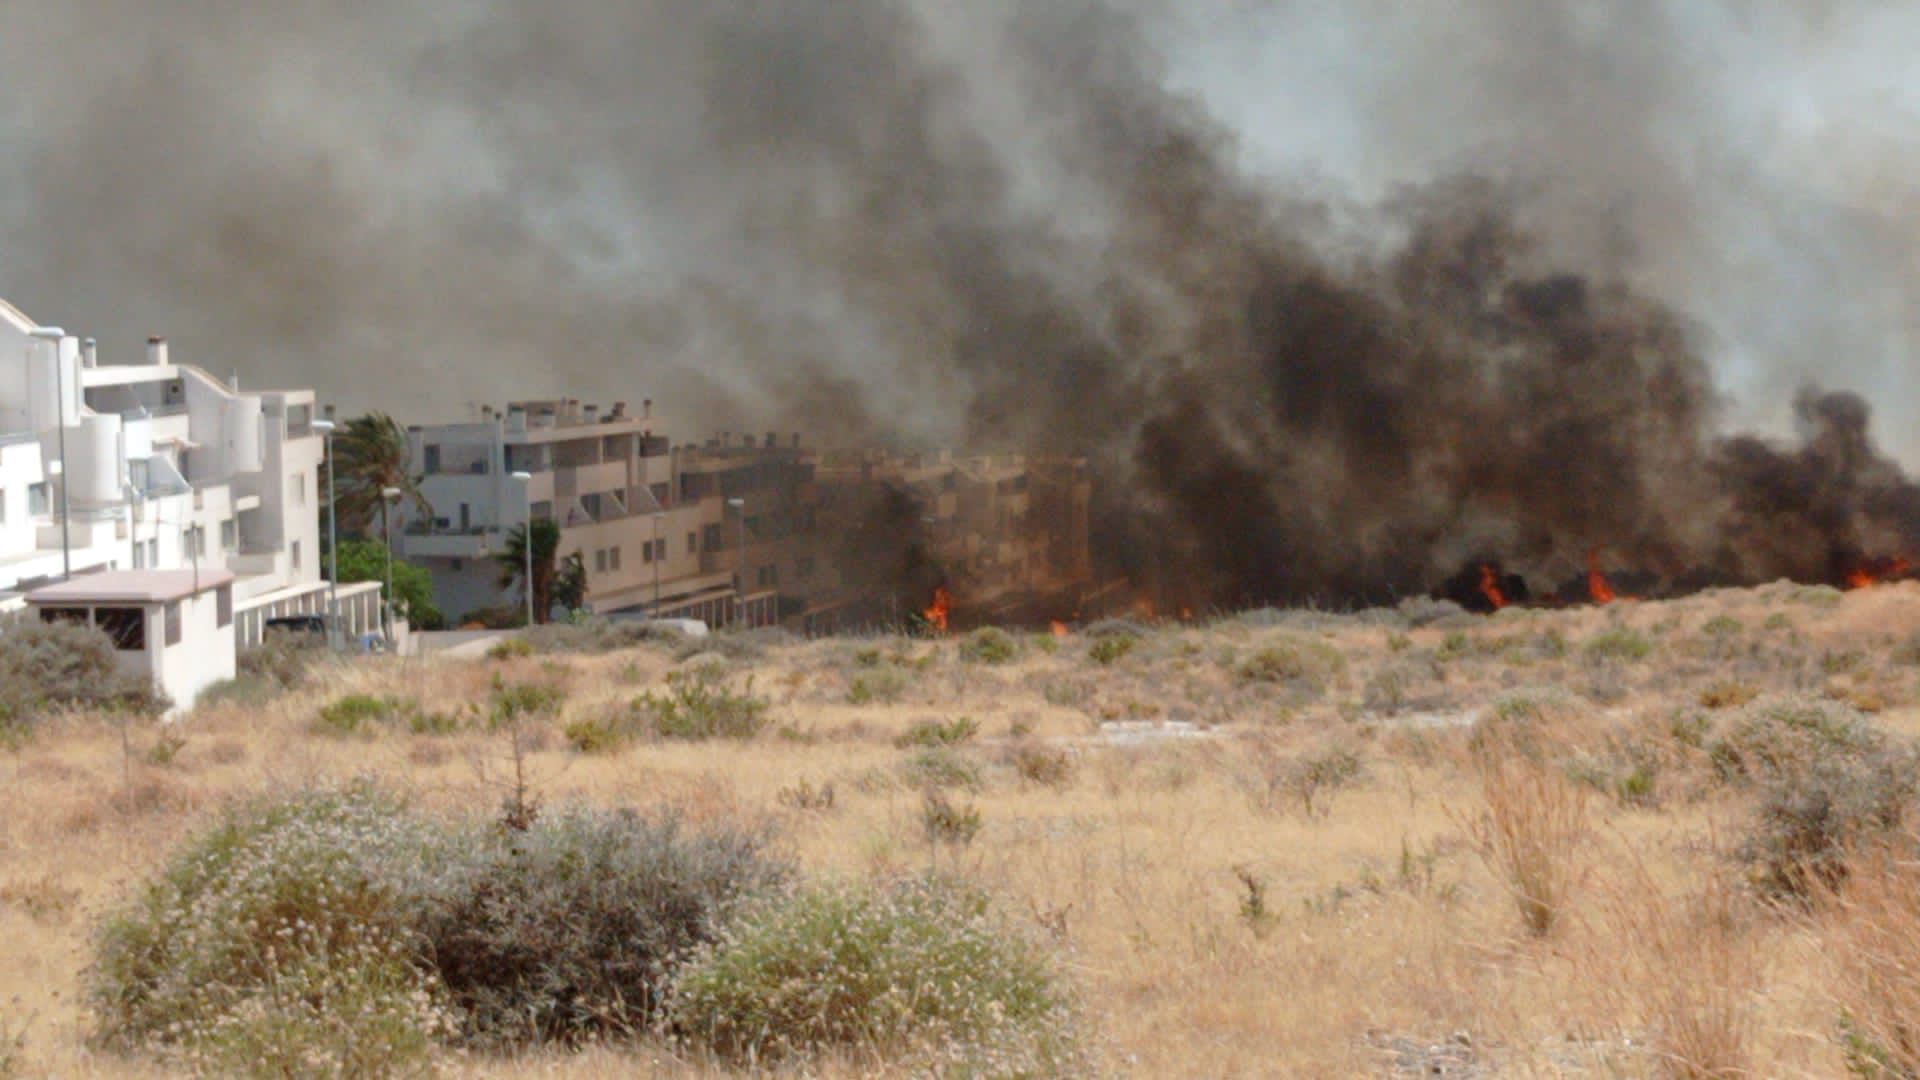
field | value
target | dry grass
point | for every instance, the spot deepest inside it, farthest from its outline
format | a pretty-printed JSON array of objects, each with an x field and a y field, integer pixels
[{"x": 1122, "y": 811}]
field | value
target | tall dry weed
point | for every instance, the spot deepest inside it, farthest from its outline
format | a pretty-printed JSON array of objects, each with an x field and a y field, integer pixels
[
  {"x": 1873, "y": 936},
  {"x": 1531, "y": 828},
  {"x": 1688, "y": 968}
]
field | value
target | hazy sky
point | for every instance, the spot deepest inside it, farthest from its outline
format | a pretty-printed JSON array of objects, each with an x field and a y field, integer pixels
[{"x": 430, "y": 204}]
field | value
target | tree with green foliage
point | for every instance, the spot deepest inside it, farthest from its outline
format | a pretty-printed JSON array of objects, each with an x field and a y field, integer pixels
[
  {"x": 370, "y": 455},
  {"x": 366, "y": 560},
  {"x": 555, "y": 580}
]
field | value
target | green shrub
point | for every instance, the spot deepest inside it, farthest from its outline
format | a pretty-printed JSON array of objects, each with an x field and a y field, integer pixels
[
  {"x": 355, "y": 714},
  {"x": 512, "y": 648},
  {"x": 1301, "y": 663},
  {"x": 1826, "y": 781},
  {"x": 939, "y": 732},
  {"x": 281, "y": 660},
  {"x": 1040, "y": 763},
  {"x": 698, "y": 704},
  {"x": 1109, "y": 648},
  {"x": 572, "y": 928},
  {"x": 942, "y": 766},
  {"x": 1618, "y": 643},
  {"x": 603, "y": 733},
  {"x": 884, "y": 686},
  {"x": 50, "y": 667},
  {"x": 510, "y": 704},
  {"x": 277, "y": 945},
  {"x": 989, "y": 645},
  {"x": 946, "y": 822},
  {"x": 1722, "y": 627},
  {"x": 923, "y": 972}
]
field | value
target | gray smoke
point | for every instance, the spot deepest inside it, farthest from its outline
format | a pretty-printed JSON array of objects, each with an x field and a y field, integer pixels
[{"x": 1335, "y": 295}]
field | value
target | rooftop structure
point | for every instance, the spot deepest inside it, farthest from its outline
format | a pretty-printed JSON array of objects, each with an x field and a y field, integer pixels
[{"x": 156, "y": 465}]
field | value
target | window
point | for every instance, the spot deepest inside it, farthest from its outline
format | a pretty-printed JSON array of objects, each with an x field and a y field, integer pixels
[
  {"x": 803, "y": 569},
  {"x": 36, "y": 499},
  {"x": 223, "y": 605},
  {"x": 295, "y": 549},
  {"x": 229, "y": 536},
  {"x": 433, "y": 458},
  {"x": 299, "y": 489},
  {"x": 600, "y": 561},
  {"x": 457, "y": 564},
  {"x": 693, "y": 543},
  {"x": 173, "y": 623},
  {"x": 542, "y": 510},
  {"x": 710, "y": 541},
  {"x": 64, "y": 614},
  {"x": 3, "y": 506},
  {"x": 186, "y": 542},
  {"x": 153, "y": 552},
  {"x": 466, "y": 517},
  {"x": 659, "y": 550},
  {"x": 613, "y": 558},
  {"x": 768, "y": 577}
]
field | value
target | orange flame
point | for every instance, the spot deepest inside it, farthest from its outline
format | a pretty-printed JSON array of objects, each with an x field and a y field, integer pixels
[
  {"x": 1059, "y": 628},
  {"x": 1877, "y": 571},
  {"x": 1490, "y": 588},
  {"x": 940, "y": 613},
  {"x": 1597, "y": 587}
]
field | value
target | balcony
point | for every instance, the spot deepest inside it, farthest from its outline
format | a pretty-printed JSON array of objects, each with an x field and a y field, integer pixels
[{"x": 420, "y": 541}]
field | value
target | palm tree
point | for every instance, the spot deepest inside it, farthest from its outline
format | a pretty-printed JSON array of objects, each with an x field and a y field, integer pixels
[
  {"x": 370, "y": 453},
  {"x": 549, "y": 580}
]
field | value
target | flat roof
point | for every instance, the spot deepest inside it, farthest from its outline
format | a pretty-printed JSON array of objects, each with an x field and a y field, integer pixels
[{"x": 130, "y": 587}]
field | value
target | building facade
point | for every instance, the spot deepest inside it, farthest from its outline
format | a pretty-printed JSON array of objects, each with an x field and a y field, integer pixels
[
  {"x": 158, "y": 465},
  {"x": 658, "y": 528}
]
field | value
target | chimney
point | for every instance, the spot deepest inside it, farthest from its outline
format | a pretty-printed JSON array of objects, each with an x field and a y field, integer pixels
[
  {"x": 619, "y": 411},
  {"x": 516, "y": 418},
  {"x": 157, "y": 351},
  {"x": 646, "y": 408},
  {"x": 327, "y": 411},
  {"x": 89, "y": 353},
  {"x": 486, "y": 413},
  {"x": 591, "y": 414},
  {"x": 772, "y": 440}
]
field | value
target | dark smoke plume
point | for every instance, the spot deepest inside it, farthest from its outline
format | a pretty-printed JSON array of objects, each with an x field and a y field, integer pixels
[{"x": 998, "y": 227}]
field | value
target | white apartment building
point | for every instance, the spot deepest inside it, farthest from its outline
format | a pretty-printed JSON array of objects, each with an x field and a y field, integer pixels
[
  {"x": 656, "y": 529},
  {"x": 158, "y": 465}
]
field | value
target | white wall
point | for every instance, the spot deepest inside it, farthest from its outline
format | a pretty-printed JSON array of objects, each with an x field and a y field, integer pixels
[{"x": 204, "y": 656}]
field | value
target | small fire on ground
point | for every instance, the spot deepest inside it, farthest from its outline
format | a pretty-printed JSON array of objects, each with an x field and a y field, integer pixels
[{"x": 939, "y": 613}]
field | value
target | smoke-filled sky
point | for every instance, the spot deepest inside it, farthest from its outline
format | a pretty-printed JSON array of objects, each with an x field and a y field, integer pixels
[
  {"x": 753, "y": 212},
  {"x": 1334, "y": 294}
]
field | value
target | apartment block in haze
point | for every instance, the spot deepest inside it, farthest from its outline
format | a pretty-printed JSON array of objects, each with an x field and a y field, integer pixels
[{"x": 659, "y": 528}]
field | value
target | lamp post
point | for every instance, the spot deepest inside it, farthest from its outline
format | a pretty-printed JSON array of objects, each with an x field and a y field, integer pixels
[
  {"x": 740, "y": 562},
  {"x": 526, "y": 539},
  {"x": 656, "y": 553},
  {"x": 325, "y": 428},
  {"x": 53, "y": 335},
  {"x": 388, "y": 496}
]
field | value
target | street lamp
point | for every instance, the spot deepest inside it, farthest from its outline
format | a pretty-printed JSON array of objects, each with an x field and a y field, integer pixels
[
  {"x": 53, "y": 335},
  {"x": 656, "y": 554},
  {"x": 526, "y": 540},
  {"x": 388, "y": 496},
  {"x": 325, "y": 428},
  {"x": 740, "y": 562}
]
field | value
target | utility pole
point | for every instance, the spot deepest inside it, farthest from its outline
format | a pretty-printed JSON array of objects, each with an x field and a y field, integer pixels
[
  {"x": 325, "y": 428},
  {"x": 526, "y": 538}
]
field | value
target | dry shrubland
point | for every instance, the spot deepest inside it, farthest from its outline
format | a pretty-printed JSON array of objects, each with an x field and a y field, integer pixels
[{"x": 1655, "y": 839}]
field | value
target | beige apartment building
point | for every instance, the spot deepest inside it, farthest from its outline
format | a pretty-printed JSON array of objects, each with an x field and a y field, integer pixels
[{"x": 707, "y": 532}]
